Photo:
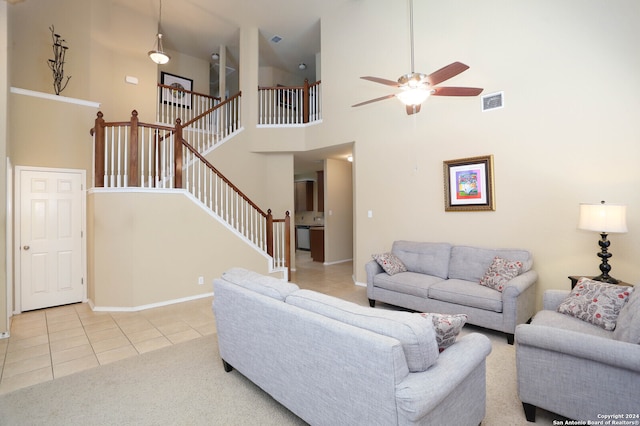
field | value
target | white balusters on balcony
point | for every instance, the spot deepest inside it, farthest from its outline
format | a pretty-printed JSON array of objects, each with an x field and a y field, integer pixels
[
  {"x": 289, "y": 106},
  {"x": 207, "y": 120}
]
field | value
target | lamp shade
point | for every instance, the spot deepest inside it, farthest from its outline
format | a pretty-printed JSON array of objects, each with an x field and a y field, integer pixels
[{"x": 603, "y": 217}]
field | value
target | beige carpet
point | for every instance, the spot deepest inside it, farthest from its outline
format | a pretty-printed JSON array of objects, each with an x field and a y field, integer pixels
[{"x": 186, "y": 385}]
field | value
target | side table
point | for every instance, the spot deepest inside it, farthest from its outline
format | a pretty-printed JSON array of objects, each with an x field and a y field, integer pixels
[{"x": 574, "y": 280}]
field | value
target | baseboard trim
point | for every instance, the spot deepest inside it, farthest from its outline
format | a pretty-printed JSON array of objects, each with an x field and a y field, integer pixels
[
  {"x": 145, "y": 307},
  {"x": 335, "y": 262}
]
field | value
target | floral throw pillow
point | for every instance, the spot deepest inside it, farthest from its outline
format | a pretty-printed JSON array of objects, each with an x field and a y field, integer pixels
[
  {"x": 596, "y": 302},
  {"x": 447, "y": 328},
  {"x": 390, "y": 263},
  {"x": 500, "y": 272}
]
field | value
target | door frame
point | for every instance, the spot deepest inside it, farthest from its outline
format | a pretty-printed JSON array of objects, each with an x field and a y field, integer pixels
[
  {"x": 17, "y": 283},
  {"x": 9, "y": 247}
]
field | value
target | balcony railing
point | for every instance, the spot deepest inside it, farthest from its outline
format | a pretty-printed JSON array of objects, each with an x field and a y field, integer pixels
[
  {"x": 207, "y": 120},
  {"x": 289, "y": 106}
]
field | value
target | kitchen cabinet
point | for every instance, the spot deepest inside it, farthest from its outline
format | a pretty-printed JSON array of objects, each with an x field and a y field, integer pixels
[
  {"x": 304, "y": 196},
  {"x": 316, "y": 235}
]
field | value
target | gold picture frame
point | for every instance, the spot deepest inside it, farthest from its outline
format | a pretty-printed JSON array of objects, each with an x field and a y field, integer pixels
[{"x": 468, "y": 184}]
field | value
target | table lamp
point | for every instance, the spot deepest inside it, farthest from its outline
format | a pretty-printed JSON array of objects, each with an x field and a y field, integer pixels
[{"x": 603, "y": 218}]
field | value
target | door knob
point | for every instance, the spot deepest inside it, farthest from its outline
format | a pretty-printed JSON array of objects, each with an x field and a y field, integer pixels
[{"x": 26, "y": 247}]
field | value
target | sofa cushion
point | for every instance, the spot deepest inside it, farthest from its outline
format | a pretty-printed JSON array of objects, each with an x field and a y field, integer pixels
[
  {"x": 557, "y": 320},
  {"x": 390, "y": 263},
  {"x": 447, "y": 327},
  {"x": 263, "y": 284},
  {"x": 596, "y": 302},
  {"x": 500, "y": 272},
  {"x": 471, "y": 263},
  {"x": 424, "y": 258},
  {"x": 628, "y": 325},
  {"x": 467, "y": 293},
  {"x": 416, "y": 334},
  {"x": 411, "y": 283}
]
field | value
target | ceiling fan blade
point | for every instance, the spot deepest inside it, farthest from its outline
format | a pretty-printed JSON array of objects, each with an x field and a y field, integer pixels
[
  {"x": 456, "y": 91},
  {"x": 382, "y": 98},
  {"x": 381, "y": 81},
  {"x": 413, "y": 109},
  {"x": 445, "y": 73}
]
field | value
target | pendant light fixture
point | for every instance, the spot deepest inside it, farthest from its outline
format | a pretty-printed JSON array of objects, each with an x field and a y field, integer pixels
[{"x": 157, "y": 55}]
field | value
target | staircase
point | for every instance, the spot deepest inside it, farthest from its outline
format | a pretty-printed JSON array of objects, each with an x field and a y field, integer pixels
[{"x": 172, "y": 156}]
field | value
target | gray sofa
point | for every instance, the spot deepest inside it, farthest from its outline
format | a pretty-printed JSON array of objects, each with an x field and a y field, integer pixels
[
  {"x": 334, "y": 362},
  {"x": 444, "y": 278},
  {"x": 578, "y": 370}
]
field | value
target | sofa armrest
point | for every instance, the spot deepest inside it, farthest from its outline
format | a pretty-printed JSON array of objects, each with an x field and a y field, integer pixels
[
  {"x": 605, "y": 351},
  {"x": 518, "y": 301},
  {"x": 372, "y": 268},
  {"x": 424, "y": 391},
  {"x": 519, "y": 284},
  {"x": 551, "y": 299}
]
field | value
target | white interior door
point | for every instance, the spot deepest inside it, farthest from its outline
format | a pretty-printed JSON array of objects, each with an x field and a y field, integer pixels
[{"x": 51, "y": 234}]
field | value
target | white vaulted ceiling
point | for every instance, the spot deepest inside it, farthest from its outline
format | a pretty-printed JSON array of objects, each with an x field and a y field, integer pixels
[{"x": 199, "y": 27}]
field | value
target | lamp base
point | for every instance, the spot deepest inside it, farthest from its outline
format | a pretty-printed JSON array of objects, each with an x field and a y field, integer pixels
[
  {"x": 605, "y": 278},
  {"x": 604, "y": 255}
]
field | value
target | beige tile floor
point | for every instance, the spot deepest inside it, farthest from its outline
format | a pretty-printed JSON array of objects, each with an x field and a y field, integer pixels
[{"x": 51, "y": 343}]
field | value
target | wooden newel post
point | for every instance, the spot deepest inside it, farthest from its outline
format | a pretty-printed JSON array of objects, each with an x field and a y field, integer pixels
[
  {"x": 287, "y": 243},
  {"x": 98, "y": 133},
  {"x": 177, "y": 145},
  {"x": 305, "y": 102},
  {"x": 236, "y": 115},
  {"x": 269, "y": 233},
  {"x": 134, "y": 178}
]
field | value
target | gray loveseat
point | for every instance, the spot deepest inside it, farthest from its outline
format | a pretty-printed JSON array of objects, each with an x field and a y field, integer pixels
[
  {"x": 334, "y": 362},
  {"x": 444, "y": 278},
  {"x": 576, "y": 369}
]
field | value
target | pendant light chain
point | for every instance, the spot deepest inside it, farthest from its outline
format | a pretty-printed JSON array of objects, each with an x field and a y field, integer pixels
[{"x": 158, "y": 55}]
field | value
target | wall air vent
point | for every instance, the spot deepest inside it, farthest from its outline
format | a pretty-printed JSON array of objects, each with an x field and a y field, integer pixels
[{"x": 493, "y": 101}]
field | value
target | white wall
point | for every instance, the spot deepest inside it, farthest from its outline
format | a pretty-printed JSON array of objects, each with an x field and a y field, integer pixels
[
  {"x": 567, "y": 134},
  {"x": 151, "y": 247},
  {"x": 338, "y": 211}
]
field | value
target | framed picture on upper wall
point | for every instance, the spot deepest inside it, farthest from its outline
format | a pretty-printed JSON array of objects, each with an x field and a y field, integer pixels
[
  {"x": 179, "y": 91},
  {"x": 468, "y": 184}
]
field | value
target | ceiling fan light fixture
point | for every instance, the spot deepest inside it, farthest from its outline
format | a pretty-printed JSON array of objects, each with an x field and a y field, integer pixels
[
  {"x": 414, "y": 96},
  {"x": 417, "y": 87},
  {"x": 414, "y": 80}
]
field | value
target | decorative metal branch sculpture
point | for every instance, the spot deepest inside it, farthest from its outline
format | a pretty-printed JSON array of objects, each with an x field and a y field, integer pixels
[{"x": 57, "y": 63}]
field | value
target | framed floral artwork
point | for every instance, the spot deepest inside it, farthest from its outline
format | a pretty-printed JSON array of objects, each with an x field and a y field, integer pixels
[
  {"x": 468, "y": 184},
  {"x": 179, "y": 91}
]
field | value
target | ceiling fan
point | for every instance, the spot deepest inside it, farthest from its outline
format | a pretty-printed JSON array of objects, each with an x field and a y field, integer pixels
[{"x": 417, "y": 87}]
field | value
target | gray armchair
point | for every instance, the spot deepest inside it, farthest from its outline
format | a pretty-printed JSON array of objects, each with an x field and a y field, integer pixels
[{"x": 576, "y": 369}]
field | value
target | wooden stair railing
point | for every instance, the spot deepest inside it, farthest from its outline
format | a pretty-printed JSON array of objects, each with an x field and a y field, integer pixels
[
  {"x": 136, "y": 154},
  {"x": 289, "y": 105}
]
